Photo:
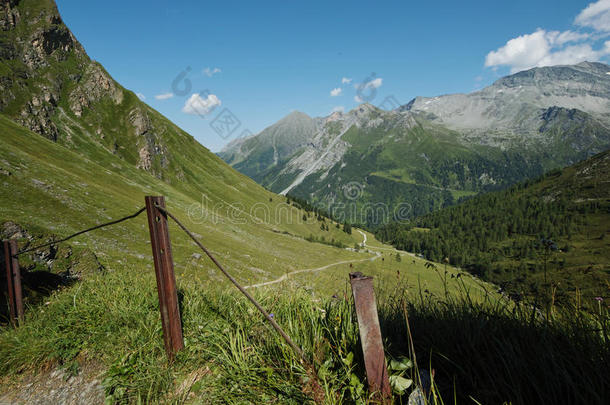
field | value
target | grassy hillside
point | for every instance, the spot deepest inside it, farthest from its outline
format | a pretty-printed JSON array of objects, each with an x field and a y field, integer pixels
[
  {"x": 549, "y": 235},
  {"x": 50, "y": 188},
  {"x": 77, "y": 150}
]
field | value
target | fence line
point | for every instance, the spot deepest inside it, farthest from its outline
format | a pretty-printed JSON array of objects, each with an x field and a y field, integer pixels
[
  {"x": 141, "y": 210},
  {"x": 258, "y": 306},
  {"x": 165, "y": 275}
]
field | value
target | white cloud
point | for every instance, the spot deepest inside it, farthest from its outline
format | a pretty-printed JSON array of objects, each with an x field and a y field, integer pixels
[
  {"x": 372, "y": 84},
  {"x": 346, "y": 80},
  {"x": 358, "y": 99},
  {"x": 209, "y": 72},
  {"x": 575, "y": 54},
  {"x": 338, "y": 108},
  {"x": 141, "y": 96},
  {"x": 164, "y": 96},
  {"x": 595, "y": 15},
  {"x": 197, "y": 105},
  {"x": 543, "y": 48},
  {"x": 375, "y": 83},
  {"x": 561, "y": 38},
  {"x": 336, "y": 92}
]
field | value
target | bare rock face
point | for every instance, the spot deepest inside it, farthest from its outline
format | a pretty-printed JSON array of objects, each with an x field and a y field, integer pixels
[
  {"x": 512, "y": 105},
  {"x": 140, "y": 121},
  {"x": 150, "y": 147},
  {"x": 54, "y": 89},
  {"x": 9, "y": 16},
  {"x": 36, "y": 115},
  {"x": 35, "y": 43},
  {"x": 96, "y": 84},
  {"x": 55, "y": 42}
]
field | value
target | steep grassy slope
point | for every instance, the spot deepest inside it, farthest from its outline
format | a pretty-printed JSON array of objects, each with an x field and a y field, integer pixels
[
  {"x": 47, "y": 186},
  {"x": 50, "y": 85},
  {"x": 550, "y": 234}
]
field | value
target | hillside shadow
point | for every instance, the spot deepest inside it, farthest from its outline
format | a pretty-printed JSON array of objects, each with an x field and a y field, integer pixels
[{"x": 36, "y": 286}]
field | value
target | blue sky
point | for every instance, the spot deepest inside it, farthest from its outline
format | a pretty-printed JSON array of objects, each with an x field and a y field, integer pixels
[{"x": 265, "y": 59}]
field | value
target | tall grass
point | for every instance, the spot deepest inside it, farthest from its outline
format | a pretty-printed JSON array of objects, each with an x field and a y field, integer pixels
[
  {"x": 490, "y": 351},
  {"x": 502, "y": 353}
]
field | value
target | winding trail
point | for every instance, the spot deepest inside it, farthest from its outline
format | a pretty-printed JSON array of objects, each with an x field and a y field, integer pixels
[
  {"x": 363, "y": 244},
  {"x": 285, "y": 277},
  {"x": 364, "y": 237},
  {"x": 314, "y": 270}
]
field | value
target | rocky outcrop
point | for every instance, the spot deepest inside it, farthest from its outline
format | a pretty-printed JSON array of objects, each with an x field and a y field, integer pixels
[
  {"x": 9, "y": 16},
  {"x": 52, "y": 70},
  {"x": 36, "y": 115},
  {"x": 45, "y": 42},
  {"x": 95, "y": 85},
  {"x": 150, "y": 147}
]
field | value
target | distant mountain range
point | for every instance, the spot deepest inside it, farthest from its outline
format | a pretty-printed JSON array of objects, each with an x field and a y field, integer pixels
[{"x": 432, "y": 151}]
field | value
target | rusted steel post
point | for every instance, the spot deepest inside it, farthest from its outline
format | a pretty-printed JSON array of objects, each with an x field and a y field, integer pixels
[
  {"x": 13, "y": 281},
  {"x": 16, "y": 280},
  {"x": 166, "y": 281},
  {"x": 8, "y": 270},
  {"x": 370, "y": 335}
]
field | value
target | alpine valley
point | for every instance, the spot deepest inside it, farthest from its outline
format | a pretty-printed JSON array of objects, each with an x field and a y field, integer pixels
[
  {"x": 495, "y": 313},
  {"x": 432, "y": 152}
]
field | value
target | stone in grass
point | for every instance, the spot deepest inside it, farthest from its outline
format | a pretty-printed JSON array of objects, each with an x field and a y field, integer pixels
[
  {"x": 419, "y": 394},
  {"x": 416, "y": 397}
]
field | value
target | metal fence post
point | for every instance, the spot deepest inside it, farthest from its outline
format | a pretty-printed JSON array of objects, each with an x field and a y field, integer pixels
[
  {"x": 13, "y": 281},
  {"x": 370, "y": 335},
  {"x": 166, "y": 281}
]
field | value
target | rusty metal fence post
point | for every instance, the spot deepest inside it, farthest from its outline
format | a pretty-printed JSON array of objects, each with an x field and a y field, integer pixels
[
  {"x": 370, "y": 335},
  {"x": 13, "y": 281},
  {"x": 166, "y": 281}
]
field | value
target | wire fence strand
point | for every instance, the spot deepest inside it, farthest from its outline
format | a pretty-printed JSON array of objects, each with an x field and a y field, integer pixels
[
  {"x": 81, "y": 232},
  {"x": 258, "y": 306}
]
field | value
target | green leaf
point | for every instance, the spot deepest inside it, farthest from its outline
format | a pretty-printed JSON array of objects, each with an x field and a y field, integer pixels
[
  {"x": 400, "y": 364},
  {"x": 400, "y": 384},
  {"x": 354, "y": 381},
  {"x": 347, "y": 360}
]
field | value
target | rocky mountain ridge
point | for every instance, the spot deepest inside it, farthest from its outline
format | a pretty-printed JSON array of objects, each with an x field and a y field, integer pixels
[
  {"x": 514, "y": 104},
  {"x": 433, "y": 151}
]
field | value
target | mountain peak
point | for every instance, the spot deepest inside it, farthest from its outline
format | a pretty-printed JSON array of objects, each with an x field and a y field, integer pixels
[
  {"x": 363, "y": 109},
  {"x": 583, "y": 72},
  {"x": 295, "y": 114},
  {"x": 596, "y": 66}
]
